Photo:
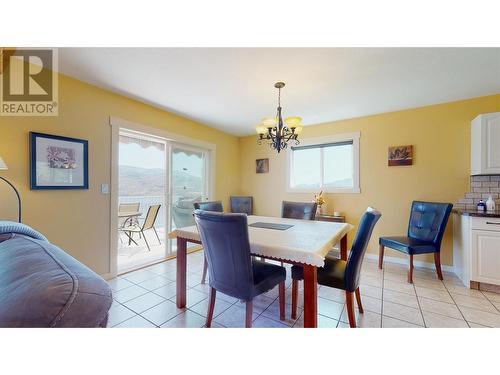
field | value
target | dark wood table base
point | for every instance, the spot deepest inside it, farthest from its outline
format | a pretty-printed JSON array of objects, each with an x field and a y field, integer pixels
[{"x": 310, "y": 280}]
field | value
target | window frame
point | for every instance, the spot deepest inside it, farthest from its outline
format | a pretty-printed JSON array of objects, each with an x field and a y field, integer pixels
[{"x": 344, "y": 137}]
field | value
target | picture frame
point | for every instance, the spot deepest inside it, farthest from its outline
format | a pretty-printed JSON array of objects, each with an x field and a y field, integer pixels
[
  {"x": 58, "y": 162},
  {"x": 262, "y": 166},
  {"x": 400, "y": 155}
]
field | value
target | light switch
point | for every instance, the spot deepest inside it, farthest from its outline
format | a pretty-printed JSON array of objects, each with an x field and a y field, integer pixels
[{"x": 104, "y": 189}]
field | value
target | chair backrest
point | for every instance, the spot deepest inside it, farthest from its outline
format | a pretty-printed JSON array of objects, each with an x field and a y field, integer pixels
[
  {"x": 215, "y": 206},
  {"x": 298, "y": 210},
  {"x": 428, "y": 221},
  {"x": 242, "y": 205},
  {"x": 225, "y": 240},
  {"x": 128, "y": 207},
  {"x": 358, "y": 249},
  {"x": 150, "y": 219}
]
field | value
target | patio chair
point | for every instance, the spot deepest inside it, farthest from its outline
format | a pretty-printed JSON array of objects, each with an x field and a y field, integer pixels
[{"x": 149, "y": 223}]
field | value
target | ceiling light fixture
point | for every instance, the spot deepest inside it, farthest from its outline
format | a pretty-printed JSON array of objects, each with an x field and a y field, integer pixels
[{"x": 276, "y": 131}]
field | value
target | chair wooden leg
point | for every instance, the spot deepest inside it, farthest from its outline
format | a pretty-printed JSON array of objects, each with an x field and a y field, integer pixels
[
  {"x": 358, "y": 300},
  {"x": 381, "y": 256},
  {"x": 249, "y": 314},
  {"x": 437, "y": 261},
  {"x": 282, "y": 300},
  {"x": 350, "y": 309},
  {"x": 410, "y": 270},
  {"x": 205, "y": 268},
  {"x": 295, "y": 296},
  {"x": 211, "y": 305}
]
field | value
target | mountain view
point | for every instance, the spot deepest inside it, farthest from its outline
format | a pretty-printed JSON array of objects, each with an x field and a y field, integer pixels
[{"x": 138, "y": 181}]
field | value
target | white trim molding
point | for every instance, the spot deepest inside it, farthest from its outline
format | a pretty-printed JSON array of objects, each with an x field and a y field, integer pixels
[{"x": 354, "y": 137}]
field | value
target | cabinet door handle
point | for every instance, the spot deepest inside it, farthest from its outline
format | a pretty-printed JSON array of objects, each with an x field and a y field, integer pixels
[{"x": 490, "y": 222}]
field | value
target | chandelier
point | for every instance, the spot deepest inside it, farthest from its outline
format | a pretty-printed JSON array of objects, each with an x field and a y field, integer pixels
[{"x": 276, "y": 131}]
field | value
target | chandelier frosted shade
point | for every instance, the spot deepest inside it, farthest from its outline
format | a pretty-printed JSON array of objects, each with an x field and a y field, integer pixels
[
  {"x": 261, "y": 129},
  {"x": 269, "y": 122}
]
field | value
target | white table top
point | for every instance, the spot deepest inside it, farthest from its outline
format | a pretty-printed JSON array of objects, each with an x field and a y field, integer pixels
[{"x": 306, "y": 242}]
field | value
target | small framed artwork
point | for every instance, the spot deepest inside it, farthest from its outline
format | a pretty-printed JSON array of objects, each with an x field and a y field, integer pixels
[
  {"x": 262, "y": 166},
  {"x": 400, "y": 155},
  {"x": 58, "y": 162}
]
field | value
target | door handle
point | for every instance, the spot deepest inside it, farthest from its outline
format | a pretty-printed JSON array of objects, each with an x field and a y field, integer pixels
[{"x": 492, "y": 223}]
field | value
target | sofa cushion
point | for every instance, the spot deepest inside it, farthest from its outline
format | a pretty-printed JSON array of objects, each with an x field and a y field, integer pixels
[{"x": 42, "y": 286}]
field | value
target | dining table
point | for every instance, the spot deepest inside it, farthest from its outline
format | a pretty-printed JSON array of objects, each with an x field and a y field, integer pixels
[{"x": 302, "y": 242}]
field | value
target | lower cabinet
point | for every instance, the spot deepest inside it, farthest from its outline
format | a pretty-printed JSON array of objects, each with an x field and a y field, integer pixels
[
  {"x": 485, "y": 256},
  {"x": 476, "y": 249}
]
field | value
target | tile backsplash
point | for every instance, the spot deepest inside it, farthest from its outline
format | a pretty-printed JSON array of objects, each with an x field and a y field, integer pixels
[{"x": 481, "y": 187}]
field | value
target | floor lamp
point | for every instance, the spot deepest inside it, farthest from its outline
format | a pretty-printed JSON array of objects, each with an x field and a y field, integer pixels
[{"x": 3, "y": 167}]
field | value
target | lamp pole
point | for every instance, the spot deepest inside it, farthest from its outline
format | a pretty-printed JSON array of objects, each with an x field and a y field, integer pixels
[{"x": 17, "y": 194}]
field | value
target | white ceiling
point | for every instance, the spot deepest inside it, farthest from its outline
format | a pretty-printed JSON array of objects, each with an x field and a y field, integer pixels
[{"x": 232, "y": 89}]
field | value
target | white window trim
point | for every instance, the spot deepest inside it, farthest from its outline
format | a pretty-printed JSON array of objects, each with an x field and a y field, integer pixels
[{"x": 354, "y": 137}]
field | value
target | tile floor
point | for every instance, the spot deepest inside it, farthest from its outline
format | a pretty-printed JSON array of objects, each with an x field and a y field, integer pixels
[{"x": 146, "y": 298}]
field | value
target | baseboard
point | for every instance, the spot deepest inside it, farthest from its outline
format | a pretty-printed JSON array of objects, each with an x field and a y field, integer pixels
[
  {"x": 106, "y": 276},
  {"x": 416, "y": 263}
]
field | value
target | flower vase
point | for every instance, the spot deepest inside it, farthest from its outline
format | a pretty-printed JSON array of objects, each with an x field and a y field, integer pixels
[{"x": 321, "y": 209}]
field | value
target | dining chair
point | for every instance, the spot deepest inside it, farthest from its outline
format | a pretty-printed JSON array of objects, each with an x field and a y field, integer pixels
[
  {"x": 243, "y": 205},
  {"x": 342, "y": 274},
  {"x": 425, "y": 232},
  {"x": 149, "y": 223},
  {"x": 231, "y": 267},
  {"x": 215, "y": 206},
  {"x": 298, "y": 210}
]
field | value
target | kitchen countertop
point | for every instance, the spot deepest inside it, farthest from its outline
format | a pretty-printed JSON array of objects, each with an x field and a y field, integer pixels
[{"x": 477, "y": 213}]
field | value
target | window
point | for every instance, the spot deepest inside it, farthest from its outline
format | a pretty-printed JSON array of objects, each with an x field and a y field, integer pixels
[{"x": 330, "y": 164}]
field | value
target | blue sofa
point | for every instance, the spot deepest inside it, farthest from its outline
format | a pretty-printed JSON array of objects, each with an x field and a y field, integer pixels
[{"x": 42, "y": 286}]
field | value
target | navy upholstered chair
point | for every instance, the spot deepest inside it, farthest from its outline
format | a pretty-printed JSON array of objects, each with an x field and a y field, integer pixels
[
  {"x": 342, "y": 274},
  {"x": 232, "y": 269},
  {"x": 298, "y": 210},
  {"x": 215, "y": 206},
  {"x": 242, "y": 205},
  {"x": 425, "y": 233}
]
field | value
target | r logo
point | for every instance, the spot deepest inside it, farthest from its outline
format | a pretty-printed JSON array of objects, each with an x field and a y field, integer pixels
[{"x": 29, "y": 85}]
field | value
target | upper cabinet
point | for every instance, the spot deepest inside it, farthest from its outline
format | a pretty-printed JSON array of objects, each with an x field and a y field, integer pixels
[{"x": 485, "y": 144}]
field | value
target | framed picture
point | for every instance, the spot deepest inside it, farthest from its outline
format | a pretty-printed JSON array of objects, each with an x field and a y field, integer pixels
[
  {"x": 262, "y": 165},
  {"x": 58, "y": 162},
  {"x": 400, "y": 155}
]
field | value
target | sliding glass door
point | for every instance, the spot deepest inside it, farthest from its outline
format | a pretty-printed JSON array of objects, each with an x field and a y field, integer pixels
[
  {"x": 189, "y": 184},
  {"x": 158, "y": 182}
]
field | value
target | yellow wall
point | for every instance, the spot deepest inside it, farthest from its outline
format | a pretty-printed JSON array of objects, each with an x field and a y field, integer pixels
[
  {"x": 78, "y": 220},
  {"x": 440, "y": 135}
]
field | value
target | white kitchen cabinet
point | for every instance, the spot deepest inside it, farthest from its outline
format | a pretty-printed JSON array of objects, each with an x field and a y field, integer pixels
[
  {"x": 485, "y": 144},
  {"x": 485, "y": 257},
  {"x": 476, "y": 249}
]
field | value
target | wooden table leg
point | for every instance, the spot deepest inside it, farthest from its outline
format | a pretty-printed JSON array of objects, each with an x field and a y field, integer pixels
[
  {"x": 310, "y": 296},
  {"x": 181, "y": 272},
  {"x": 343, "y": 248}
]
